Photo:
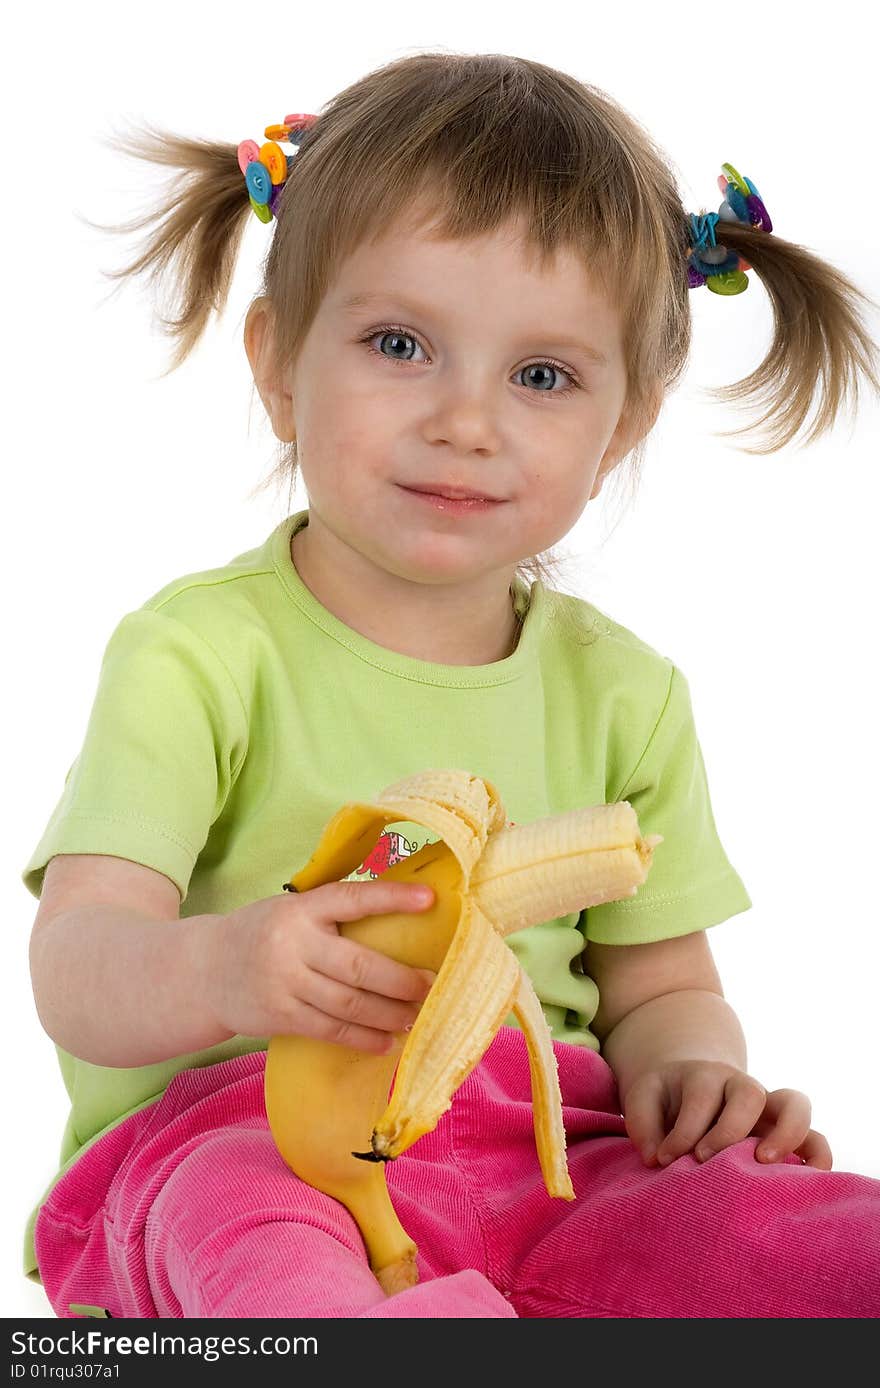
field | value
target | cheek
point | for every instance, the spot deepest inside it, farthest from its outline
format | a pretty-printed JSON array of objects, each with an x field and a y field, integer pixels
[
  {"x": 555, "y": 501},
  {"x": 352, "y": 419},
  {"x": 560, "y": 484},
  {"x": 342, "y": 456}
]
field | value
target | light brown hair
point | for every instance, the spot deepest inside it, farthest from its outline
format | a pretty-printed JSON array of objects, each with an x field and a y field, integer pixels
[{"x": 490, "y": 136}]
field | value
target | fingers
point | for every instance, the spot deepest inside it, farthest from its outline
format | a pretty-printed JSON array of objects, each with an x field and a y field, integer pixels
[
  {"x": 361, "y": 993},
  {"x": 712, "y": 1118},
  {"x": 710, "y": 1112},
  {"x": 348, "y": 1006},
  {"x": 714, "y": 1110},
  {"x": 307, "y": 1020},
  {"x": 787, "y": 1119},
  {"x": 348, "y": 901},
  {"x": 645, "y": 1114},
  {"x": 815, "y": 1151},
  {"x": 356, "y": 965},
  {"x": 359, "y": 968},
  {"x": 744, "y": 1099}
]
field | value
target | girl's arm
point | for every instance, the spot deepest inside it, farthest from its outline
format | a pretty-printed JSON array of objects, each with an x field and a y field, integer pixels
[
  {"x": 661, "y": 1002},
  {"x": 118, "y": 978},
  {"x": 679, "y": 1057}
]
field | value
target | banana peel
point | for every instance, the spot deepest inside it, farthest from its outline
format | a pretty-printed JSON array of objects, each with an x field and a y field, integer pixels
[{"x": 333, "y": 1114}]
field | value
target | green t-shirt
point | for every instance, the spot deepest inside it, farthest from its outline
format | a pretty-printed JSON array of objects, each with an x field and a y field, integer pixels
[{"x": 234, "y": 715}]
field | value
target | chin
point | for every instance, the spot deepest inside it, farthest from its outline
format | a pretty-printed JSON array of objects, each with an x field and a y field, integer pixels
[{"x": 414, "y": 555}]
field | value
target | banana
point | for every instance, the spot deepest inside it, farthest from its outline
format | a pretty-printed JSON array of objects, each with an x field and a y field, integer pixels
[{"x": 324, "y": 1100}]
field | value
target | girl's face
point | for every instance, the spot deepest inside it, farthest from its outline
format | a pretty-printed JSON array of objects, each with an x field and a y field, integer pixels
[{"x": 456, "y": 363}]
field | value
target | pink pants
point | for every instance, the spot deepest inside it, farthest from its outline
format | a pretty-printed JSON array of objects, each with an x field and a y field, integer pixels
[{"x": 187, "y": 1209}]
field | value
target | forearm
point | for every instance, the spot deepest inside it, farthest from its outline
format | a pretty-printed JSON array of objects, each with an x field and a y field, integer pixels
[
  {"x": 119, "y": 989},
  {"x": 690, "y": 1024}
]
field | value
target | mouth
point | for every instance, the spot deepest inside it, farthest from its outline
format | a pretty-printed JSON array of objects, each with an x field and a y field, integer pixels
[
  {"x": 451, "y": 505},
  {"x": 450, "y": 493}
]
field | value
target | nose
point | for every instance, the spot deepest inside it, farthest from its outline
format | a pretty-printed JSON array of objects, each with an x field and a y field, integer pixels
[{"x": 464, "y": 412}]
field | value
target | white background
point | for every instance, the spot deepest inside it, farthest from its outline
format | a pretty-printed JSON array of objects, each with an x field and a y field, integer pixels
[{"x": 758, "y": 576}]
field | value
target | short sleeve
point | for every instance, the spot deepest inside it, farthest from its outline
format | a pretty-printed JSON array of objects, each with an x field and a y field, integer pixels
[
  {"x": 691, "y": 884},
  {"x": 166, "y": 737}
]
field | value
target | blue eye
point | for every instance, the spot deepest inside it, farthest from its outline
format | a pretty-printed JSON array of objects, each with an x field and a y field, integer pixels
[
  {"x": 394, "y": 336},
  {"x": 397, "y": 337},
  {"x": 546, "y": 366}
]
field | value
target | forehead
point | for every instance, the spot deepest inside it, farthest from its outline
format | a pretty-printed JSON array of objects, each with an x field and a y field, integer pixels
[{"x": 499, "y": 272}]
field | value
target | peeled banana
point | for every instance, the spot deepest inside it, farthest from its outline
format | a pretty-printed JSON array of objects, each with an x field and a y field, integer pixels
[{"x": 325, "y": 1102}]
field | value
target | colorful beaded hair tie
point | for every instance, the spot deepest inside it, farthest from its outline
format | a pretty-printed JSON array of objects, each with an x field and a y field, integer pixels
[
  {"x": 265, "y": 167},
  {"x": 714, "y": 265}
]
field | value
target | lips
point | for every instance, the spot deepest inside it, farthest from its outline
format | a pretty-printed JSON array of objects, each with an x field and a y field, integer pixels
[{"x": 451, "y": 493}]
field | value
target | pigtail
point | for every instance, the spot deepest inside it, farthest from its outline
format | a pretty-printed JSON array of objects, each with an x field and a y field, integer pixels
[
  {"x": 201, "y": 219},
  {"x": 819, "y": 339}
]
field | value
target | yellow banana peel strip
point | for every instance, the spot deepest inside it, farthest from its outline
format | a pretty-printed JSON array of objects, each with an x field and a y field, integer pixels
[
  {"x": 546, "y": 1094},
  {"x": 451, "y": 1032},
  {"x": 348, "y": 838},
  {"x": 475, "y": 799}
]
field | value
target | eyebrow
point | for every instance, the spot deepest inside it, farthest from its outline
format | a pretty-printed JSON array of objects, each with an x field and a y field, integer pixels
[{"x": 367, "y": 298}]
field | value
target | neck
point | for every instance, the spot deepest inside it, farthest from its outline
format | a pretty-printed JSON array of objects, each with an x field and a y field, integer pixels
[{"x": 462, "y": 624}]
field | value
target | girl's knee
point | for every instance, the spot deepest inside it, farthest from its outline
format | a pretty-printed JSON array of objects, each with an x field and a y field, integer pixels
[{"x": 237, "y": 1173}]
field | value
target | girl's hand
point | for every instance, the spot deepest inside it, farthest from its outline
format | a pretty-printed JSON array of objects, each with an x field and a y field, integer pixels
[
  {"x": 709, "y": 1105},
  {"x": 280, "y": 967}
]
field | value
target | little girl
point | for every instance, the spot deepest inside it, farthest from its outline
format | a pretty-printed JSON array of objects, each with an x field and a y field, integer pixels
[{"x": 476, "y": 297}]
